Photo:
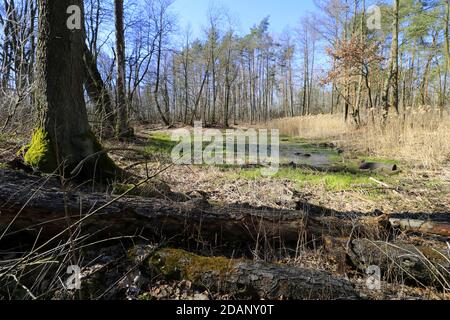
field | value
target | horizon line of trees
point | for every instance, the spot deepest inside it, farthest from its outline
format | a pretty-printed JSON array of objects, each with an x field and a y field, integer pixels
[{"x": 139, "y": 65}]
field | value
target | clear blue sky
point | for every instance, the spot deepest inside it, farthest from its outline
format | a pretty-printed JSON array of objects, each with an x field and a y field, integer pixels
[{"x": 282, "y": 13}]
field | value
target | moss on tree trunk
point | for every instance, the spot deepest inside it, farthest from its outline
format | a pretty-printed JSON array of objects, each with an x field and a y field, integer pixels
[
  {"x": 63, "y": 138},
  {"x": 43, "y": 155}
]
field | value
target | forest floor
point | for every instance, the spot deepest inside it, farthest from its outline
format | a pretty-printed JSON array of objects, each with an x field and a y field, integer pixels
[
  {"x": 327, "y": 176},
  {"x": 323, "y": 173}
]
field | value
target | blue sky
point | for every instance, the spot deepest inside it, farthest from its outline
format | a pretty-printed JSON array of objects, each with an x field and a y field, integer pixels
[{"x": 282, "y": 13}]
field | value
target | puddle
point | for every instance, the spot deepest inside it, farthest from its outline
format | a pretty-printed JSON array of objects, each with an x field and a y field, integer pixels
[
  {"x": 305, "y": 154},
  {"x": 299, "y": 153}
]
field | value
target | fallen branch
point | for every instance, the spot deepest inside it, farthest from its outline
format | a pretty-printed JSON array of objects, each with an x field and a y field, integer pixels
[
  {"x": 384, "y": 185},
  {"x": 421, "y": 226}
]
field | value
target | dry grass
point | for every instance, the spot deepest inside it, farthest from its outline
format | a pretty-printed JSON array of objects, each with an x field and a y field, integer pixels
[
  {"x": 422, "y": 138},
  {"x": 311, "y": 127}
]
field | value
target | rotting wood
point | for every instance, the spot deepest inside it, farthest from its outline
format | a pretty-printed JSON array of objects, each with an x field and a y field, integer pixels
[
  {"x": 403, "y": 262},
  {"x": 250, "y": 279},
  {"x": 421, "y": 226},
  {"x": 42, "y": 205}
]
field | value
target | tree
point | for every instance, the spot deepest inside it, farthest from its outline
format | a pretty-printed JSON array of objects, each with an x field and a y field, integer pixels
[
  {"x": 162, "y": 25},
  {"x": 99, "y": 94},
  {"x": 392, "y": 78},
  {"x": 62, "y": 138},
  {"x": 95, "y": 86},
  {"x": 230, "y": 74},
  {"x": 446, "y": 53},
  {"x": 354, "y": 59},
  {"x": 122, "y": 129}
]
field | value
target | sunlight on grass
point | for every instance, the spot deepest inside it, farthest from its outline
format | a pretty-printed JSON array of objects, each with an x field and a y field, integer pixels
[
  {"x": 332, "y": 181},
  {"x": 160, "y": 143}
]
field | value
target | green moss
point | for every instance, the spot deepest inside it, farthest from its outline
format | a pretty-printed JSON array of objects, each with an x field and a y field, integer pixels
[
  {"x": 435, "y": 183},
  {"x": 40, "y": 153},
  {"x": 179, "y": 264},
  {"x": 145, "y": 297},
  {"x": 40, "y": 156},
  {"x": 291, "y": 139},
  {"x": 335, "y": 181}
]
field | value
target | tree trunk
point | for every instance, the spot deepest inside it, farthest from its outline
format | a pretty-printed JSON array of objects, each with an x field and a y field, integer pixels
[
  {"x": 444, "y": 97},
  {"x": 7, "y": 46},
  {"x": 97, "y": 91},
  {"x": 359, "y": 88},
  {"x": 392, "y": 79},
  {"x": 249, "y": 279},
  {"x": 44, "y": 205},
  {"x": 62, "y": 137},
  {"x": 164, "y": 117},
  {"x": 122, "y": 129}
]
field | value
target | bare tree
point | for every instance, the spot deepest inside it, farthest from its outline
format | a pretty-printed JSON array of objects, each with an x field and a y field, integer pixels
[
  {"x": 163, "y": 27},
  {"x": 392, "y": 78},
  {"x": 122, "y": 130}
]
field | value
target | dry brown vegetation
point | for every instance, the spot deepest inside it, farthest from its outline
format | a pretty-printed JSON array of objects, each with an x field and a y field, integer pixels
[
  {"x": 293, "y": 189},
  {"x": 420, "y": 137}
]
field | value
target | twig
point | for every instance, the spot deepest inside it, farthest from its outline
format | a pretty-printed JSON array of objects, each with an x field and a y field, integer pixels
[
  {"x": 23, "y": 287},
  {"x": 385, "y": 185},
  {"x": 380, "y": 183}
]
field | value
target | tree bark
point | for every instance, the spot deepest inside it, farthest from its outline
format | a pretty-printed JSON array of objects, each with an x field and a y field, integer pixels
[
  {"x": 62, "y": 137},
  {"x": 249, "y": 279},
  {"x": 44, "y": 206},
  {"x": 392, "y": 79},
  {"x": 439, "y": 228},
  {"x": 447, "y": 56},
  {"x": 122, "y": 129},
  {"x": 97, "y": 91},
  {"x": 403, "y": 262},
  {"x": 164, "y": 117}
]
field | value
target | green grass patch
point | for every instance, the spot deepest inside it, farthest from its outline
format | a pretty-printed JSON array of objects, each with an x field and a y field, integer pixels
[
  {"x": 160, "y": 143},
  {"x": 332, "y": 181},
  {"x": 291, "y": 139}
]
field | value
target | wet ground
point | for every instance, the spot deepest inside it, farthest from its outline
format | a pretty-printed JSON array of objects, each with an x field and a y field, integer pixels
[{"x": 297, "y": 152}]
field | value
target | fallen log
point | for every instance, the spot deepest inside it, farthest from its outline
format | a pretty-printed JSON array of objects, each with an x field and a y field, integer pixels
[
  {"x": 377, "y": 166},
  {"x": 249, "y": 279},
  {"x": 32, "y": 203},
  {"x": 440, "y": 228},
  {"x": 402, "y": 262}
]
